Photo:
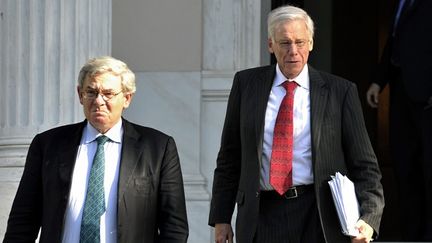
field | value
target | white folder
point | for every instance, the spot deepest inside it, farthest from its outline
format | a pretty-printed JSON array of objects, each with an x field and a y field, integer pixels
[{"x": 346, "y": 203}]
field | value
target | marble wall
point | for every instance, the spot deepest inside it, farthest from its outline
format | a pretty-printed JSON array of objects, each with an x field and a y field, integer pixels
[
  {"x": 171, "y": 102},
  {"x": 47, "y": 41},
  {"x": 42, "y": 46},
  {"x": 191, "y": 105}
]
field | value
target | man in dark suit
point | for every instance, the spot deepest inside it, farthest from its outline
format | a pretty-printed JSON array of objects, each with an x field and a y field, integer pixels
[
  {"x": 328, "y": 135},
  {"x": 407, "y": 67},
  {"x": 140, "y": 183}
]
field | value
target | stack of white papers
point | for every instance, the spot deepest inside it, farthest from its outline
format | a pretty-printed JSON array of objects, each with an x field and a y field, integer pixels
[{"x": 346, "y": 203}]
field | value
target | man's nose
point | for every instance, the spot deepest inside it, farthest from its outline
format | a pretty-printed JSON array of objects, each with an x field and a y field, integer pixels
[{"x": 99, "y": 99}]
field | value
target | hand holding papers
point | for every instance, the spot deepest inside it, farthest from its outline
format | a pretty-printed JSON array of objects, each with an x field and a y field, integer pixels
[{"x": 346, "y": 203}]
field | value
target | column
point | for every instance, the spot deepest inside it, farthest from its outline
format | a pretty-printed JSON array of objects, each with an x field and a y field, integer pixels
[
  {"x": 43, "y": 44},
  {"x": 231, "y": 42}
]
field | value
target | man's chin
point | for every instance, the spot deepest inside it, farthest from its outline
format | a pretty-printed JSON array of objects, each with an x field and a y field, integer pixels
[
  {"x": 291, "y": 71},
  {"x": 99, "y": 123}
]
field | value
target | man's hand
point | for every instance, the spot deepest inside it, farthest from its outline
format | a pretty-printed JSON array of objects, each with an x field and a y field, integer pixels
[
  {"x": 365, "y": 233},
  {"x": 372, "y": 95},
  {"x": 223, "y": 233}
]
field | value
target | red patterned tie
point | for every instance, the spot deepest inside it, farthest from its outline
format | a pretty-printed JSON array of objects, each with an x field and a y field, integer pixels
[{"x": 282, "y": 154}]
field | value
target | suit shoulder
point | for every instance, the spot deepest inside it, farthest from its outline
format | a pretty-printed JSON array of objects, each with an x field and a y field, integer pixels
[
  {"x": 59, "y": 137},
  {"x": 62, "y": 131},
  {"x": 149, "y": 132},
  {"x": 336, "y": 81},
  {"x": 255, "y": 71},
  {"x": 246, "y": 77}
]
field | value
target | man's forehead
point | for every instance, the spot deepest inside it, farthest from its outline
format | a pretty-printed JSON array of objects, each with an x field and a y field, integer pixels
[
  {"x": 291, "y": 26},
  {"x": 104, "y": 79}
]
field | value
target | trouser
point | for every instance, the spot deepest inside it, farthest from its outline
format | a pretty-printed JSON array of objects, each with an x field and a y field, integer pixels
[{"x": 293, "y": 220}]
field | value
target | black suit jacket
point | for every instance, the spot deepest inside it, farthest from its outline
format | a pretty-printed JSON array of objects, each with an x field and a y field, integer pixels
[
  {"x": 412, "y": 44},
  {"x": 339, "y": 143},
  {"x": 151, "y": 203}
]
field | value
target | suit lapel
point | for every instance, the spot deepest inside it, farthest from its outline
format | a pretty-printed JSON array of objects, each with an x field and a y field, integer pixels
[
  {"x": 131, "y": 152},
  {"x": 264, "y": 84},
  {"x": 318, "y": 99},
  {"x": 68, "y": 156}
]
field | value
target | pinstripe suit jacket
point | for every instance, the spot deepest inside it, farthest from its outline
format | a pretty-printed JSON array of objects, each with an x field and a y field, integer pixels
[{"x": 339, "y": 143}]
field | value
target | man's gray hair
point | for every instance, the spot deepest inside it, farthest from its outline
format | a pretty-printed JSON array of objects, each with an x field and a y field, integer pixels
[
  {"x": 286, "y": 14},
  {"x": 107, "y": 64}
]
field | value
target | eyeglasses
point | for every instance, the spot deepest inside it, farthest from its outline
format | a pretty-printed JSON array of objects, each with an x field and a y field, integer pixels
[
  {"x": 286, "y": 44},
  {"x": 93, "y": 94}
]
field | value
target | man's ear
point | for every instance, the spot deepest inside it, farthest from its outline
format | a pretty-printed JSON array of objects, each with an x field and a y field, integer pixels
[
  {"x": 270, "y": 45},
  {"x": 80, "y": 94},
  {"x": 128, "y": 99},
  {"x": 311, "y": 45}
]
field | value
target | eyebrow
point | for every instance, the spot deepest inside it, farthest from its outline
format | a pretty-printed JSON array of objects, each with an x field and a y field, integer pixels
[
  {"x": 286, "y": 40},
  {"x": 92, "y": 88}
]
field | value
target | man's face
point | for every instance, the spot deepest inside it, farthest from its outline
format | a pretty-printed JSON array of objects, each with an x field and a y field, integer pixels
[
  {"x": 291, "y": 47},
  {"x": 103, "y": 114}
]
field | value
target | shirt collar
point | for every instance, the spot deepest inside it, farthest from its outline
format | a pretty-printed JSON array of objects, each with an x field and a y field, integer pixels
[
  {"x": 114, "y": 134},
  {"x": 302, "y": 79}
]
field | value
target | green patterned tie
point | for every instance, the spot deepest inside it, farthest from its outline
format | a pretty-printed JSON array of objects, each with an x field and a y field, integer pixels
[{"x": 94, "y": 205}]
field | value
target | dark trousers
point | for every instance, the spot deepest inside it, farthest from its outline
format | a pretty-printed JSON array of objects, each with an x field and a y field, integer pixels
[
  {"x": 411, "y": 153},
  {"x": 293, "y": 220}
]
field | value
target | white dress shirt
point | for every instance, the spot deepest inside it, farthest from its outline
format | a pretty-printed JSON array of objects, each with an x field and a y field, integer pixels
[
  {"x": 83, "y": 164},
  {"x": 302, "y": 153}
]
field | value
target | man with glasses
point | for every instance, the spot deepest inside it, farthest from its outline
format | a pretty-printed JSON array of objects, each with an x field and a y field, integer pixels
[
  {"x": 288, "y": 128},
  {"x": 104, "y": 179}
]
